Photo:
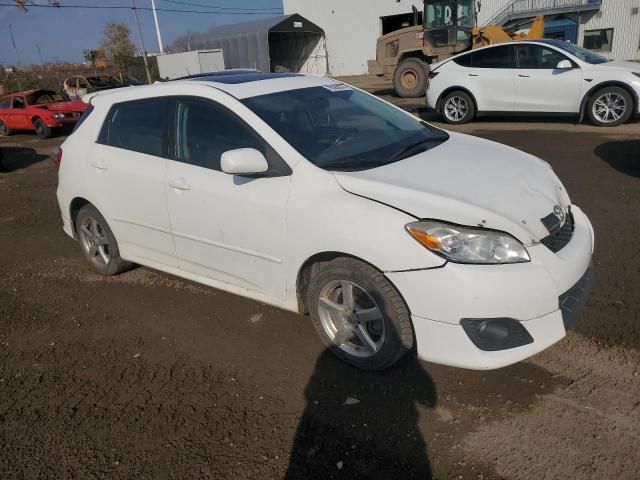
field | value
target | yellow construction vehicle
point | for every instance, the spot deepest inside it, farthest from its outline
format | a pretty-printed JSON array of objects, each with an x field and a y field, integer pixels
[{"x": 448, "y": 27}]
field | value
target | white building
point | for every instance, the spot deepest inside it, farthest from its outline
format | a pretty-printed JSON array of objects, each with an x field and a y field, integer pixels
[{"x": 609, "y": 27}]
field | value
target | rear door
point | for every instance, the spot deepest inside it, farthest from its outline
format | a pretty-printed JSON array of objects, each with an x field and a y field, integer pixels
[
  {"x": 126, "y": 178},
  {"x": 18, "y": 114},
  {"x": 492, "y": 78},
  {"x": 540, "y": 86}
]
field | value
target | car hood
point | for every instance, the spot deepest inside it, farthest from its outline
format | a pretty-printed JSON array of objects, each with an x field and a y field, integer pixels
[
  {"x": 70, "y": 106},
  {"x": 468, "y": 181},
  {"x": 622, "y": 65}
]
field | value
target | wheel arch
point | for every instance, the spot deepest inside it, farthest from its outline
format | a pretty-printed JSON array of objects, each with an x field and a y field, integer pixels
[
  {"x": 453, "y": 89},
  {"x": 310, "y": 266},
  {"x": 607, "y": 83},
  {"x": 74, "y": 207},
  {"x": 418, "y": 53}
]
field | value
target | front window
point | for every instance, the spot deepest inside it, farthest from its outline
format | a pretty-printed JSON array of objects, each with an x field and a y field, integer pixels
[
  {"x": 441, "y": 14},
  {"x": 581, "y": 53},
  {"x": 339, "y": 128}
]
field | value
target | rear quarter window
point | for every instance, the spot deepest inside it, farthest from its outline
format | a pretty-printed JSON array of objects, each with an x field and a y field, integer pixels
[
  {"x": 463, "y": 60},
  {"x": 5, "y": 102},
  {"x": 139, "y": 126}
]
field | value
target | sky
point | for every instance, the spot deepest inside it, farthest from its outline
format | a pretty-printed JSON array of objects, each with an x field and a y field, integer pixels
[{"x": 64, "y": 34}]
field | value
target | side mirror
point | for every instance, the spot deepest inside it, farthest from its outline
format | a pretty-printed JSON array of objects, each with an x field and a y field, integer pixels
[
  {"x": 564, "y": 65},
  {"x": 243, "y": 161}
]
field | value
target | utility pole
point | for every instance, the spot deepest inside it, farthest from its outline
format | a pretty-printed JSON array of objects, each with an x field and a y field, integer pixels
[
  {"x": 144, "y": 51},
  {"x": 15, "y": 49},
  {"x": 39, "y": 53},
  {"x": 155, "y": 17}
]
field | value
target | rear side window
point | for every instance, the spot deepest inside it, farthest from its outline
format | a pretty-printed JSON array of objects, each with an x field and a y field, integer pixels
[
  {"x": 5, "y": 102},
  {"x": 139, "y": 125},
  {"x": 463, "y": 60},
  {"x": 495, "y": 57}
]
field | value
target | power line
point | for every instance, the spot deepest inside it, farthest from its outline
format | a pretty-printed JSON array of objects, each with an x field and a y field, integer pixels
[
  {"x": 239, "y": 9},
  {"x": 122, "y": 7}
]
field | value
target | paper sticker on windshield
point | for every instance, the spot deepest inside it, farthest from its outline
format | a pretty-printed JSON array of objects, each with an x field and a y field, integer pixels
[{"x": 337, "y": 87}]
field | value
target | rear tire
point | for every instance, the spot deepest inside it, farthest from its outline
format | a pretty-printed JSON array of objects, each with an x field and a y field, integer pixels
[
  {"x": 369, "y": 327},
  {"x": 42, "y": 129},
  {"x": 98, "y": 244},
  {"x": 457, "y": 108},
  {"x": 411, "y": 77},
  {"x": 5, "y": 131},
  {"x": 610, "y": 106}
]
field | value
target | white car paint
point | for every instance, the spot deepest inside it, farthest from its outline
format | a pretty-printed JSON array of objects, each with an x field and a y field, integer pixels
[
  {"x": 251, "y": 236},
  {"x": 531, "y": 90}
]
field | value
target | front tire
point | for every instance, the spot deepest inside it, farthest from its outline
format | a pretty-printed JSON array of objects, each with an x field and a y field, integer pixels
[
  {"x": 610, "y": 106},
  {"x": 457, "y": 108},
  {"x": 411, "y": 77},
  {"x": 42, "y": 129},
  {"x": 359, "y": 315},
  {"x": 98, "y": 243}
]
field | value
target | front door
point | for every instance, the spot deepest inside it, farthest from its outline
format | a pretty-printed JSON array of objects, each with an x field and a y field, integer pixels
[
  {"x": 226, "y": 227},
  {"x": 18, "y": 115},
  {"x": 126, "y": 177},
  {"x": 540, "y": 86}
]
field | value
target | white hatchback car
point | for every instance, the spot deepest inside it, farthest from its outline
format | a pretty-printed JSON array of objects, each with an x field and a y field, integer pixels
[
  {"x": 308, "y": 194},
  {"x": 534, "y": 77}
]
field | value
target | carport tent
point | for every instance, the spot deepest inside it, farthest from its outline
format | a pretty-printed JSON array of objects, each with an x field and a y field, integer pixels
[{"x": 284, "y": 43}]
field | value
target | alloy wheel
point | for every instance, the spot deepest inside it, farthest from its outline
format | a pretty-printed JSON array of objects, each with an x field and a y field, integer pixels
[
  {"x": 94, "y": 241},
  {"x": 351, "y": 318},
  {"x": 609, "y": 107},
  {"x": 456, "y": 108}
]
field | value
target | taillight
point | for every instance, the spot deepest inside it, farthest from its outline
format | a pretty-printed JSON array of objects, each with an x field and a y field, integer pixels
[
  {"x": 433, "y": 75},
  {"x": 58, "y": 159}
]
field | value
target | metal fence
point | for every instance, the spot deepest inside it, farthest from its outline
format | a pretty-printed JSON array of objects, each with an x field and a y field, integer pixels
[{"x": 519, "y": 8}]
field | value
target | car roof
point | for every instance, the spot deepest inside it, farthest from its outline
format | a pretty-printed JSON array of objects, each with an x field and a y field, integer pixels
[
  {"x": 22, "y": 93},
  {"x": 239, "y": 84}
]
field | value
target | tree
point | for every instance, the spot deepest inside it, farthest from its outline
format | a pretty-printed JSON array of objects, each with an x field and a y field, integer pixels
[
  {"x": 117, "y": 45},
  {"x": 182, "y": 43}
]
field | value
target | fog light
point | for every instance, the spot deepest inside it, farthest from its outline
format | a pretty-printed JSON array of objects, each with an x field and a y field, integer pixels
[{"x": 492, "y": 334}]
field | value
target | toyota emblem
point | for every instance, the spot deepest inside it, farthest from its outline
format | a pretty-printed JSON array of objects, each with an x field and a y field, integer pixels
[{"x": 558, "y": 212}]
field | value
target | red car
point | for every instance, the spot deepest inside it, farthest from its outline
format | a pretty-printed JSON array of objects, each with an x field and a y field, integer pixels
[{"x": 39, "y": 110}]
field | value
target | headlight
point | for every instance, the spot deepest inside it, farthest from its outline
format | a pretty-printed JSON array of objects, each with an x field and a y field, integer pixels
[
  {"x": 468, "y": 244},
  {"x": 57, "y": 115}
]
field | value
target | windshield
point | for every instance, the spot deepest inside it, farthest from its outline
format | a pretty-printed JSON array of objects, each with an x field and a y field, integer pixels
[
  {"x": 582, "y": 53},
  {"x": 45, "y": 96},
  {"x": 339, "y": 128},
  {"x": 440, "y": 14}
]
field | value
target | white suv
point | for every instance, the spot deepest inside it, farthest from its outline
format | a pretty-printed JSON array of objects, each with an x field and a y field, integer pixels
[
  {"x": 534, "y": 77},
  {"x": 307, "y": 194}
]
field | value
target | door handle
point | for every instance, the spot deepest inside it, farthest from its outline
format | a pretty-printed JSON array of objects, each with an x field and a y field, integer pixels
[
  {"x": 474, "y": 75},
  {"x": 99, "y": 164},
  {"x": 179, "y": 184},
  {"x": 523, "y": 76}
]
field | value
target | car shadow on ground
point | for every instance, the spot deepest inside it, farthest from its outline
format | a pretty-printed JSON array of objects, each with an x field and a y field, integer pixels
[
  {"x": 17, "y": 158},
  {"x": 362, "y": 439},
  {"x": 623, "y": 155}
]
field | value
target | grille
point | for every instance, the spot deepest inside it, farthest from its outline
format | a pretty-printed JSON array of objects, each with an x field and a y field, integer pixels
[{"x": 557, "y": 240}]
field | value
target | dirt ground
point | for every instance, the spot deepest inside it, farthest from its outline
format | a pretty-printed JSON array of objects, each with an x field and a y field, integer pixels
[{"x": 148, "y": 376}]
